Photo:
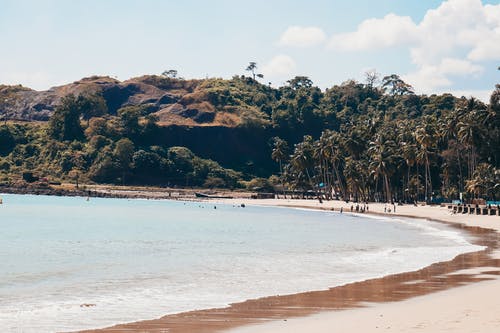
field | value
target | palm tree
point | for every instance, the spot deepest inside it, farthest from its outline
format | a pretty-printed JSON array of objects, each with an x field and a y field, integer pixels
[
  {"x": 470, "y": 129},
  {"x": 409, "y": 153},
  {"x": 425, "y": 135},
  {"x": 485, "y": 181},
  {"x": 302, "y": 162},
  {"x": 355, "y": 177},
  {"x": 448, "y": 133},
  {"x": 381, "y": 153},
  {"x": 280, "y": 154},
  {"x": 333, "y": 144},
  {"x": 321, "y": 156}
]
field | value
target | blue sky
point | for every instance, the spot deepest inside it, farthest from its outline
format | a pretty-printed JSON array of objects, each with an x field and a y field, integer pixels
[{"x": 437, "y": 46}]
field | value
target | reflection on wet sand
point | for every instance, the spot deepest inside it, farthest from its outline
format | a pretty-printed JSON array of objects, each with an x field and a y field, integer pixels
[{"x": 481, "y": 266}]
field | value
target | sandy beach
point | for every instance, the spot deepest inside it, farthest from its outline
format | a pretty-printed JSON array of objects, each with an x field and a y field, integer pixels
[
  {"x": 456, "y": 296},
  {"x": 470, "y": 308},
  {"x": 435, "y": 213}
]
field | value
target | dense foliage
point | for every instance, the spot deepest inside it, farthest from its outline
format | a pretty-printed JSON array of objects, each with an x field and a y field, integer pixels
[
  {"x": 354, "y": 141},
  {"x": 398, "y": 146}
]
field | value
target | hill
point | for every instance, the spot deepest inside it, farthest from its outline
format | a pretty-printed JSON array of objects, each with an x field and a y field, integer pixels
[
  {"x": 172, "y": 101},
  {"x": 354, "y": 140}
]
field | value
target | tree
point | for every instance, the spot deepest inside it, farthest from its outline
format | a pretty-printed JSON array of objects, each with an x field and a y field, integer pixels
[
  {"x": 300, "y": 82},
  {"x": 280, "y": 154},
  {"x": 65, "y": 122},
  {"x": 333, "y": 142},
  {"x": 75, "y": 175},
  {"x": 302, "y": 163},
  {"x": 124, "y": 150},
  {"x": 470, "y": 129},
  {"x": 492, "y": 142},
  {"x": 123, "y": 153},
  {"x": 372, "y": 77},
  {"x": 355, "y": 177},
  {"x": 96, "y": 126},
  {"x": 104, "y": 168},
  {"x": 91, "y": 105},
  {"x": 7, "y": 140},
  {"x": 382, "y": 154},
  {"x": 409, "y": 154},
  {"x": 426, "y": 136},
  {"x": 485, "y": 182},
  {"x": 252, "y": 67},
  {"x": 171, "y": 73},
  {"x": 129, "y": 117},
  {"x": 396, "y": 86}
]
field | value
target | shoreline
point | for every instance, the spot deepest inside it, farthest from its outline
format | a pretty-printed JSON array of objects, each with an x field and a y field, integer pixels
[
  {"x": 263, "y": 314},
  {"x": 269, "y": 314},
  {"x": 470, "y": 300},
  {"x": 312, "y": 312}
]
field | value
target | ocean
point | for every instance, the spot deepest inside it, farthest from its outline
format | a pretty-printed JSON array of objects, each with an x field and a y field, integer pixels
[{"x": 68, "y": 264}]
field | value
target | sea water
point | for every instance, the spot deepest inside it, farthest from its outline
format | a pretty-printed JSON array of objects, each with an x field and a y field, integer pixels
[{"x": 68, "y": 263}]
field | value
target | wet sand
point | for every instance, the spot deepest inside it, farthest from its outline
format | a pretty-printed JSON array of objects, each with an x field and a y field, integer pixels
[{"x": 464, "y": 285}]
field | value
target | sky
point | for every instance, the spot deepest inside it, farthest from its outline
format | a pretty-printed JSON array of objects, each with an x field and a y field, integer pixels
[{"x": 436, "y": 46}]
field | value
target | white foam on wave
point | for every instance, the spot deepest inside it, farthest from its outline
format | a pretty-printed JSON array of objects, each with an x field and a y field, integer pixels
[
  {"x": 222, "y": 280},
  {"x": 155, "y": 300}
]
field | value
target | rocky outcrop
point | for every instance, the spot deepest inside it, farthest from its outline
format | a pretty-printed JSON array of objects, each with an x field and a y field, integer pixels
[{"x": 162, "y": 96}]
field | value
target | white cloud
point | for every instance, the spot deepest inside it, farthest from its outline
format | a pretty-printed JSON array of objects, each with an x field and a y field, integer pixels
[
  {"x": 278, "y": 67},
  {"x": 302, "y": 36},
  {"x": 430, "y": 77},
  {"x": 455, "y": 66},
  {"x": 377, "y": 33},
  {"x": 488, "y": 49},
  {"x": 451, "y": 40},
  {"x": 427, "y": 79}
]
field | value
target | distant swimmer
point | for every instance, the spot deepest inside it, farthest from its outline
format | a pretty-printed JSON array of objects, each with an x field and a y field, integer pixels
[{"x": 1, "y": 201}]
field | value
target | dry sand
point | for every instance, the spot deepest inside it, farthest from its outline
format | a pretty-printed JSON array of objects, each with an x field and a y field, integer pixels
[
  {"x": 470, "y": 308},
  {"x": 436, "y": 213}
]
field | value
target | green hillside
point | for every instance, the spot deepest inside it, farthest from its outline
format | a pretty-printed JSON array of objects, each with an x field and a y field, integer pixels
[{"x": 352, "y": 140}]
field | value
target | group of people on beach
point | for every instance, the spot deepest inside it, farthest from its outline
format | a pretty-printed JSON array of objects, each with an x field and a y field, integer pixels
[
  {"x": 364, "y": 208},
  {"x": 357, "y": 208}
]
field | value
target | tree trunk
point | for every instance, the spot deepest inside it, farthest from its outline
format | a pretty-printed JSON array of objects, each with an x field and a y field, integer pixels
[
  {"x": 281, "y": 178},
  {"x": 341, "y": 184},
  {"x": 429, "y": 175},
  {"x": 388, "y": 189},
  {"x": 408, "y": 185},
  {"x": 460, "y": 180},
  {"x": 418, "y": 184},
  {"x": 426, "y": 179}
]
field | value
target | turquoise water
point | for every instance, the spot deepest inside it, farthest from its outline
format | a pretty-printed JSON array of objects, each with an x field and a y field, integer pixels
[{"x": 141, "y": 259}]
